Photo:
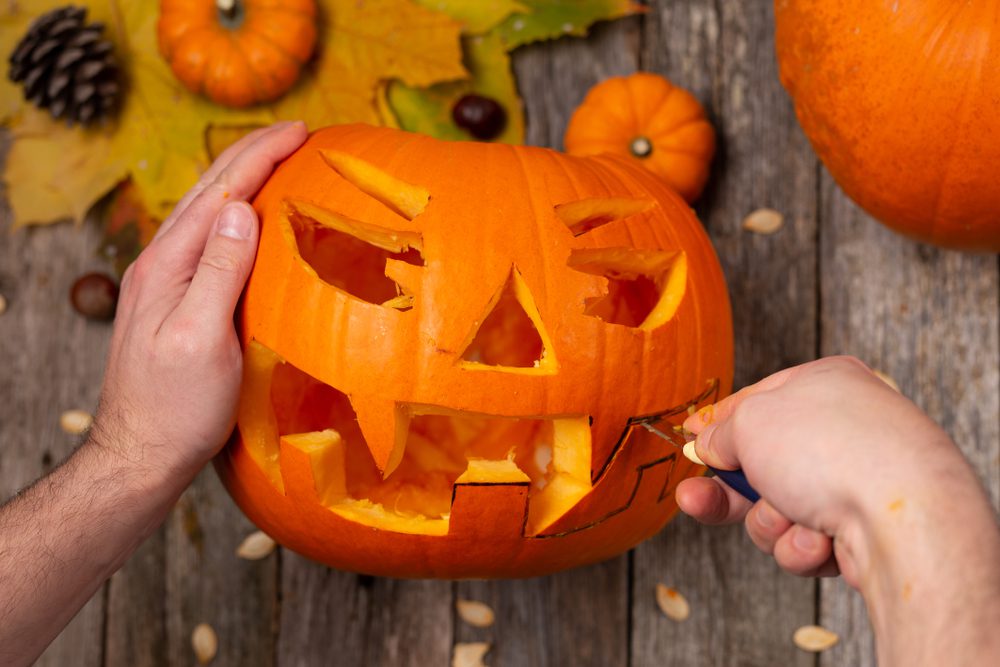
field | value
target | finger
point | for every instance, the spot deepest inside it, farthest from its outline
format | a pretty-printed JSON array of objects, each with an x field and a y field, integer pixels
[
  {"x": 710, "y": 501},
  {"x": 212, "y": 173},
  {"x": 223, "y": 269},
  {"x": 711, "y": 414},
  {"x": 182, "y": 244},
  {"x": 766, "y": 525},
  {"x": 803, "y": 551}
]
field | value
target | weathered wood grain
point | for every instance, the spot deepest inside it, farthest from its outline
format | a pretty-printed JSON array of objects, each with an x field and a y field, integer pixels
[
  {"x": 744, "y": 609},
  {"x": 928, "y": 318},
  {"x": 52, "y": 361},
  {"x": 207, "y": 583},
  {"x": 330, "y": 617}
]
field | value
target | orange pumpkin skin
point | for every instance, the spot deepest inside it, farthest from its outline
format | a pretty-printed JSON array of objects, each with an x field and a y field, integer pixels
[
  {"x": 392, "y": 373},
  {"x": 237, "y": 52},
  {"x": 900, "y": 100},
  {"x": 650, "y": 121}
]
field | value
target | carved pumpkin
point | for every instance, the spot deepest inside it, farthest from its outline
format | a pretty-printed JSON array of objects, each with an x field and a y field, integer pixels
[
  {"x": 900, "y": 100},
  {"x": 237, "y": 52},
  {"x": 651, "y": 121},
  {"x": 446, "y": 345}
]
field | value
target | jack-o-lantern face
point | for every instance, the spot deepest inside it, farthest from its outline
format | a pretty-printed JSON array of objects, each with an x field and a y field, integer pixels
[{"x": 447, "y": 346}]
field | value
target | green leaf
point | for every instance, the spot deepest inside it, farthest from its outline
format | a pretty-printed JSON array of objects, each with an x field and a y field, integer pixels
[
  {"x": 428, "y": 110},
  {"x": 548, "y": 19},
  {"x": 477, "y": 16}
]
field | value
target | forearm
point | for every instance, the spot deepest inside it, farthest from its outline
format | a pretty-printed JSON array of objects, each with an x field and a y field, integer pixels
[
  {"x": 931, "y": 577},
  {"x": 62, "y": 538}
]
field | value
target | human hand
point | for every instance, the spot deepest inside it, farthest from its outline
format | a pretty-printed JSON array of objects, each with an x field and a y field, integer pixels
[
  {"x": 172, "y": 379},
  {"x": 831, "y": 448}
]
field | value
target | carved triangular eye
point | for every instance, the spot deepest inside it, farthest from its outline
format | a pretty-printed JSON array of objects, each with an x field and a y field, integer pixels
[
  {"x": 585, "y": 215},
  {"x": 511, "y": 335},
  {"x": 645, "y": 287},
  {"x": 354, "y": 256}
]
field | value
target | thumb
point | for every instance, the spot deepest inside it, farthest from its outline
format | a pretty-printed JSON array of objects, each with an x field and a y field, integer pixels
[{"x": 224, "y": 266}]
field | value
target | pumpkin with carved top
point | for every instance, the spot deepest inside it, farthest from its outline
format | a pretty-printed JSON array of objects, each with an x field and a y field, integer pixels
[
  {"x": 448, "y": 348},
  {"x": 237, "y": 52},
  {"x": 901, "y": 101}
]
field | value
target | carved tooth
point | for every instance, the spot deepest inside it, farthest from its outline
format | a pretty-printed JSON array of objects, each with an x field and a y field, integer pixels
[{"x": 384, "y": 426}]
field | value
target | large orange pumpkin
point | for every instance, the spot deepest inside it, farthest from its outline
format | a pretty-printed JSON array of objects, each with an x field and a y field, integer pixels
[
  {"x": 446, "y": 347},
  {"x": 649, "y": 120},
  {"x": 237, "y": 52},
  {"x": 901, "y": 100}
]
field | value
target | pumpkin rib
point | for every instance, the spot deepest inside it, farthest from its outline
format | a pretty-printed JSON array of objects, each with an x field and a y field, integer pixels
[
  {"x": 277, "y": 47},
  {"x": 647, "y": 104}
]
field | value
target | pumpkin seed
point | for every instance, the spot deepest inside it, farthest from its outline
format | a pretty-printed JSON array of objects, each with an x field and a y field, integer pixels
[
  {"x": 691, "y": 454},
  {"x": 469, "y": 654},
  {"x": 814, "y": 638},
  {"x": 3, "y": 304},
  {"x": 887, "y": 379},
  {"x": 255, "y": 546},
  {"x": 475, "y": 613},
  {"x": 673, "y": 605},
  {"x": 764, "y": 221},
  {"x": 205, "y": 643},
  {"x": 75, "y": 422}
]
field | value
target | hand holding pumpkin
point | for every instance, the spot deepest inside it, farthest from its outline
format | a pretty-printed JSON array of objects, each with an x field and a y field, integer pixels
[
  {"x": 855, "y": 477},
  {"x": 174, "y": 366}
]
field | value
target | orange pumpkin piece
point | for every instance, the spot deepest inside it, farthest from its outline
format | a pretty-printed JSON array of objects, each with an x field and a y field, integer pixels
[
  {"x": 900, "y": 100},
  {"x": 649, "y": 120},
  {"x": 237, "y": 52},
  {"x": 442, "y": 371}
]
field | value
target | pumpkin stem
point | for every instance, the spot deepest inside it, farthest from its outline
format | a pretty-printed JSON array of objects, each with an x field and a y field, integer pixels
[
  {"x": 641, "y": 147},
  {"x": 230, "y": 12}
]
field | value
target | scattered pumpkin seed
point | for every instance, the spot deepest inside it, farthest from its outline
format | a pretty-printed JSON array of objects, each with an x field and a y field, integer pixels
[
  {"x": 75, "y": 422},
  {"x": 887, "y": 379},
  {"x": 256, "y": 545},
  {"x": 673, "y": 605},
  {"x": 814, "y": 638},
  {"x": 475, "y": 613},
  {"x": 205, "y": 643},
  {"x": 469, "y": 654},
  {"x": 764, "y": 221},
  {"x": 691, "y": 454}
]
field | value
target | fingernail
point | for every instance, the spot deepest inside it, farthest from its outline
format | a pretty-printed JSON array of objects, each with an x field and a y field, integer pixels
[
  {"x": 765, "y": 515},
  {"x": 236, "y": 222},
  {"x": 804, "y": 540},
  {"x": 703, "y": 440}
]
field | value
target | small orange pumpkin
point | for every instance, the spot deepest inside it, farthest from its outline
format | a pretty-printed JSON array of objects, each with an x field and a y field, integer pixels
[
  {"x": 900, "y": 101},
  {"x": 237, "y": 52},
  {"x": 652, "y": 122},
  {"x": 443, "y": 371}
]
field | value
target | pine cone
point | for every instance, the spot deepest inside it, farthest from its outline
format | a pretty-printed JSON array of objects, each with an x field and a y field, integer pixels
[{"x": 66, "y": 67}]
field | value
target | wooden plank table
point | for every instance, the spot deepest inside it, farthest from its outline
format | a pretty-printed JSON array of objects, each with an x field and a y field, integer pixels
[{"x": 830, "y": 282}]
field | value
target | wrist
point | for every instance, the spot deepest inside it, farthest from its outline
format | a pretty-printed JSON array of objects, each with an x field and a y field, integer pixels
[{"x": 924, "y": 550}]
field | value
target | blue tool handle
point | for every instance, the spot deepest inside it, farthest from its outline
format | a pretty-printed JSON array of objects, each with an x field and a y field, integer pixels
[{"x": 737, "y": 480}]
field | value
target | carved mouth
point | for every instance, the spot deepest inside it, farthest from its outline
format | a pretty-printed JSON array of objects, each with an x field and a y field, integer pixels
[{"x": 551, "y": 455}]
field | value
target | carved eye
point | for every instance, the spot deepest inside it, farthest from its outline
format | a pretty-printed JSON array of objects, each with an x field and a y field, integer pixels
[
  {"x": 368, "y": 261},
  {"x": 644, "y": 286}
]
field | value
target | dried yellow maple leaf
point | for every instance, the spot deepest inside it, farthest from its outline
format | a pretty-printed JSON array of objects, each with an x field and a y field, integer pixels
[{"x": 158, "y": 138}]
